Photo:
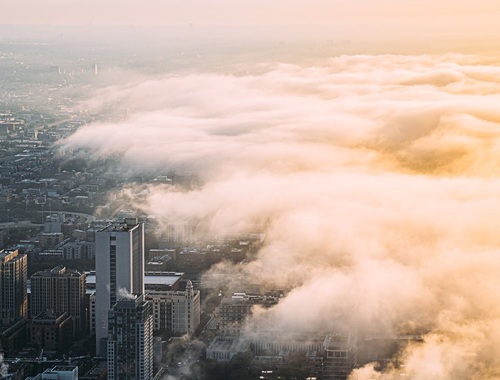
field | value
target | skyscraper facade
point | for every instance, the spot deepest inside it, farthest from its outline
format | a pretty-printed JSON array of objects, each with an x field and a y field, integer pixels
[
  {"x": 13, "y": 286},
  {"x": 61, "y": 291},
  {"x": 130, "y": 339},
  {"x": 119, "y": 270}
]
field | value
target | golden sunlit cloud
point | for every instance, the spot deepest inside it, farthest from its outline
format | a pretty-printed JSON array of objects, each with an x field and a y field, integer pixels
[{"x": 374, "y": 178}]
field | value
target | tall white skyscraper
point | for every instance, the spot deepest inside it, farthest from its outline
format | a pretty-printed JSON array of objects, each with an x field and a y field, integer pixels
[{"x": 119, "y": 271}]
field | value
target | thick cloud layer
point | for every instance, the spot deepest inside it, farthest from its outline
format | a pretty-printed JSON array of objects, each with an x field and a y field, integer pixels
[{"x": 373, "y": 177}]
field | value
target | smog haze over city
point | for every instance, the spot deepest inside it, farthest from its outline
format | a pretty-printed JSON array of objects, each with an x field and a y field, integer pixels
[{"x": 356, "y": 144}]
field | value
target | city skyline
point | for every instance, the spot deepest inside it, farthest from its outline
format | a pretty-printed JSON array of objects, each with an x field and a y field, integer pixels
[
  {"x": 323, "y": 175},
  {"x": 372, "y": 177},
  {"x": 386, "y": 26}
]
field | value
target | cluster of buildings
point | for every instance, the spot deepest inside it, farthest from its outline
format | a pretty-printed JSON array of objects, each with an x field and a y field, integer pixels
[
  {"x": 138, "y": 291},
  {"x": 126, "y": 313},
  {"x": 126, "y": 307},
  {"x": 136, "y": 294},
  {"x": 32, "y": 176},
  {"x": 120, "y": 303},
  {"x": 329, "y": 355}
]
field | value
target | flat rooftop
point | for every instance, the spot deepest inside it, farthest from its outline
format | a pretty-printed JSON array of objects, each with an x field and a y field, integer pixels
[
  {"x": 150, "y": 278},
  {"x": 118, "y": 227},
  {"x": 228, "y": 344}
]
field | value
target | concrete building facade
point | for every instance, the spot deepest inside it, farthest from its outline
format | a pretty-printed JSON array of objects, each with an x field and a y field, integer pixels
[
  {"x": 176, "y": 311},
  {"x": 130, "y": 339},
  {"x": 78, "y": 250},
  {"x": 61, "y": 291}
]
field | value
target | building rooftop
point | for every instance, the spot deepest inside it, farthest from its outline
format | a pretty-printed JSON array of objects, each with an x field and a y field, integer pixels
[
  {"x": 150, "y": 278},
  {"x": 130, "y": 301},
  {"x": 57, "y": 271},
  {"x": 228, "y": 344},
  {"x": 127, "y": 225},
  {"x": 10, "y": 254},
  {"x": 192, "y": 251},
  {"x": 61, "y": 368},
  {"x": 338, "y": 340},
  {"x": 49, "y": 315}
]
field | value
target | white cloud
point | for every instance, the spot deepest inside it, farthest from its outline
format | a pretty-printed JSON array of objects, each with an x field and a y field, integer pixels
[{"x": 376, "y": 179}]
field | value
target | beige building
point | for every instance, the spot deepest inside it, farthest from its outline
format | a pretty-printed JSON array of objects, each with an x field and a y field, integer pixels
[
  {"x": 13, "y": 286},
  {"x": 175, "y": 311}
]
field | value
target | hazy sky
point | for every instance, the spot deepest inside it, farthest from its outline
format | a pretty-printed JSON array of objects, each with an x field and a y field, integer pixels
[{"x": 456, "y": 14}]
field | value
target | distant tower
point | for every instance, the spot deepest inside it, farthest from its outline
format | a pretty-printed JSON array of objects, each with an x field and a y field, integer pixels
[
  {"x": 119, "y": 270},
  {"x": 130, "y": 339},
  {"x": 95, "y": 68},
  {"x": 13, "y": 286},
  {"x": 189, "y": 302}
]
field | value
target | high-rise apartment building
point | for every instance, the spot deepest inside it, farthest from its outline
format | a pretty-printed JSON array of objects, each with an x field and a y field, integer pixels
[
  {"x": 78, "y": 250},
  {"x": 13, "y": 286},
  {"x": 130, "y": 339},
  {"x": 61, "y": 291},
  {"x": 119, "y": 270}
]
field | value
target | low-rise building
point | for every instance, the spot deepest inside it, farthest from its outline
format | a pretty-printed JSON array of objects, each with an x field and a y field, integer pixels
[
  {"x": 50, "y": 331},
  {"x": 234, "y": 310},
  {"x": 223, "y": 348},
  {"x": 339, "y": 355},
  {"x": 176, "y": 311},
  {"x": 13, "y": 337},
  {"x": 58, "y": 373}
]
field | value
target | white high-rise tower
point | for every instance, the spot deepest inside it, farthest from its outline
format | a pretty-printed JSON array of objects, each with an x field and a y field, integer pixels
[{"x": 119, "y": 271}]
